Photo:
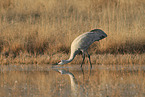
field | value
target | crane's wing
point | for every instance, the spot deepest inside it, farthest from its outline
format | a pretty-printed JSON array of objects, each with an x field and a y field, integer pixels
[{"x": 85, "y": 40}]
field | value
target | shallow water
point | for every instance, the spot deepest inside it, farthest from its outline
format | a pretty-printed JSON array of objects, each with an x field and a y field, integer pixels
[{"x": 72, "y": 81}]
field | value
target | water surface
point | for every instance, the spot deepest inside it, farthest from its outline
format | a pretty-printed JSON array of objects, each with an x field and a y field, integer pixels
[{"x": 72, "y": 81}]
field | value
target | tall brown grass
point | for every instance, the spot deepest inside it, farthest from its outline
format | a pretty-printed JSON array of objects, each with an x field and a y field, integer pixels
[{"x": 49, "y": 26}]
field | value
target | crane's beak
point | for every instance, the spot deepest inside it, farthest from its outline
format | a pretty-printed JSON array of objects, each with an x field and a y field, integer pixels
[{"x": 55, "y": 64}]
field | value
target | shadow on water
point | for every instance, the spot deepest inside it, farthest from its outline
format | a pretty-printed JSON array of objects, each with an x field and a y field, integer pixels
[{"x": 44, "y": 81}]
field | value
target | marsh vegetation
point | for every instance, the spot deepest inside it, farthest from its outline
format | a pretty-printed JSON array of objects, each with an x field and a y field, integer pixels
[{"x": 37, "y": 31}]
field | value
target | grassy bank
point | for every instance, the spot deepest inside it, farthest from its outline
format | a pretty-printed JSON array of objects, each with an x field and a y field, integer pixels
[
  {"x": 47, "y": 27},
  {"x": 99, "y": 59}
]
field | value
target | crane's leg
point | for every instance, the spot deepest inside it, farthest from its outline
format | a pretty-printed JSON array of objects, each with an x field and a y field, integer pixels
[
  {"x": 89, "y": 59},
  {"x": 83, "y": 58}
]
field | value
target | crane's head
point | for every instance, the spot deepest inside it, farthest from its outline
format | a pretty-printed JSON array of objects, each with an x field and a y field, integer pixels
[
  {"x": 99, "y": 33},
  {"x": 61, "y": 62}
]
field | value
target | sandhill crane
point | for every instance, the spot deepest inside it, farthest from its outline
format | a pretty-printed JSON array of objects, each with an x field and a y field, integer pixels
[{"x": 82, "y": 43}]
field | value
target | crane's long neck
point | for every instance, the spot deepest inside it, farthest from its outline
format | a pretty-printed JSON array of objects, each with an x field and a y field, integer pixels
[{"x": 72, "y": 56}]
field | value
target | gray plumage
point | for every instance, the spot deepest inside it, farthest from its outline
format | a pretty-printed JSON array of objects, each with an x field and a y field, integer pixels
[{"x": 82, "y": 43}]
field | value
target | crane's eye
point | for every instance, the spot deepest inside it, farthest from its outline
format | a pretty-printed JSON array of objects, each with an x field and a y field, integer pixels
[{"x": 59, "y": 61}]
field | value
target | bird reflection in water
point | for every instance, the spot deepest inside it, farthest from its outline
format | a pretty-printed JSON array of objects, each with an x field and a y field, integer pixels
[{"x": 77, "y": 89}]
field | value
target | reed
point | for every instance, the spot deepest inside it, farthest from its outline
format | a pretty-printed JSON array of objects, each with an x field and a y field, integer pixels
[{"x": 49, "y": 26}]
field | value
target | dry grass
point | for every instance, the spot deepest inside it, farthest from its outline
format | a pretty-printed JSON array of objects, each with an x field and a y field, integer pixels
[
  {"x": 49, "y": 26},
  {"x": 100, "y": 59}
]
